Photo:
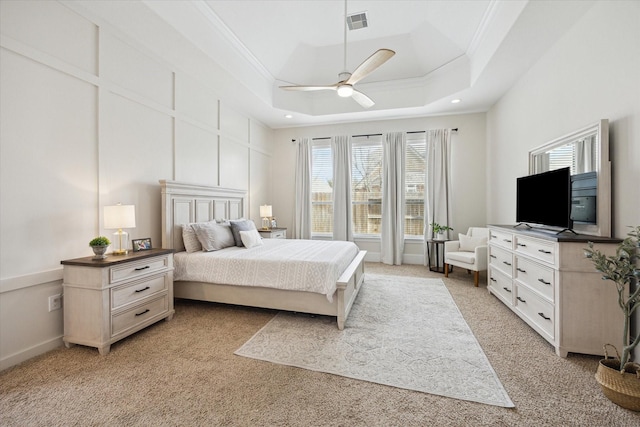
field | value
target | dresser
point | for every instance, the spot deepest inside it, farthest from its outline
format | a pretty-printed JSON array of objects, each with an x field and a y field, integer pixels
[
  {"x": 107, "y": 300},
  {"x": 274, "y": 233},
  {"x": 549, "y": 283}
]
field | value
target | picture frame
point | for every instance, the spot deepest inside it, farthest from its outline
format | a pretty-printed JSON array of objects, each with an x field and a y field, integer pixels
[{"x": 141, "y": 244}]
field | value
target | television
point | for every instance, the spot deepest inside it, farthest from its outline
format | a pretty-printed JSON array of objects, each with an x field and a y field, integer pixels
[{"x": 545, "y": 199}]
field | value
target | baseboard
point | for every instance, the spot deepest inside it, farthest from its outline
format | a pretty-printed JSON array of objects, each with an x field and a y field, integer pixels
[{"x": 30, "y": 352}]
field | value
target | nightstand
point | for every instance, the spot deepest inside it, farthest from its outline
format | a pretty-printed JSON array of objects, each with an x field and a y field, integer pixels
[
  {"x": 110, "y": 299},
  {"x": 274, "y": 233}
]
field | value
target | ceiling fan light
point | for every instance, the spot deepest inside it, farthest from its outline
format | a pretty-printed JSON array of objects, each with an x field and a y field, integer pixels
[{"x": 345, "y": 91}]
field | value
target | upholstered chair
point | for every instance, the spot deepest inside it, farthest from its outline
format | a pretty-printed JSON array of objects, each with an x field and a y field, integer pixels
[{"x": 468, "y": 252}]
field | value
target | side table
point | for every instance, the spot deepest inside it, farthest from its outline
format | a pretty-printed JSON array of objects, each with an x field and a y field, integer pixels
[
  {"x": 107, "y": 300},
  {"x": 437, "y": 246},
  {"x": 273, "y": 233}
]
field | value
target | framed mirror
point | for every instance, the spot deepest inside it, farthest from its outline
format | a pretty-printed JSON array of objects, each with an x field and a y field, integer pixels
[{"x": 586, "y": 152}]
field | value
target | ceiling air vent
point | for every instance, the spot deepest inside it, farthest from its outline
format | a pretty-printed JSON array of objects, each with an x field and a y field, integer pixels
[{"x": 357, "y": 21}]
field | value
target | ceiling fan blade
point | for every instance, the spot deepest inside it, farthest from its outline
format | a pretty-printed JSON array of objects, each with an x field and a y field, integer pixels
[
  {"x": 309, "y": 88},
  {"x": 362, "y": 99},
  {"x": 370, "y": 64}
]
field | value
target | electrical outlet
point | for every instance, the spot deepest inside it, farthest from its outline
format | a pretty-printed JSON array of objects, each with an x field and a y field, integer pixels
[{"x": 55, "y": 302}]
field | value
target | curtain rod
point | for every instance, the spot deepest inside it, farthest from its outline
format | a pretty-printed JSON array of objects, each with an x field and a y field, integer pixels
[
  {"x": 373, "y": 134},
  {"x": 423, "y": 131}
]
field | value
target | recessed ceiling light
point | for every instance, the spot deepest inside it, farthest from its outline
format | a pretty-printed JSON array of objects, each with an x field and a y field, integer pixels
[
  {"x": 455, "y": 101},
  {"x": 288, "y": 116}
]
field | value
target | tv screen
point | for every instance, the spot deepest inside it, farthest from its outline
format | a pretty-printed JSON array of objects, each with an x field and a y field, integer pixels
[{"x": 545, "y": 199}]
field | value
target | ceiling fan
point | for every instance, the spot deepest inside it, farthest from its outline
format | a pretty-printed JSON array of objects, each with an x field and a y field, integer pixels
[{"x": 345, "y": 87}]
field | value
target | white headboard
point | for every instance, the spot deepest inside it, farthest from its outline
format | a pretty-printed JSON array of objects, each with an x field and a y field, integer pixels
[{"x": 184, "y": 203}]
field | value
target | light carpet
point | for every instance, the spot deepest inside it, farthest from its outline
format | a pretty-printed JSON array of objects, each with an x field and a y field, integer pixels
[{"x": 404, "y": 332}]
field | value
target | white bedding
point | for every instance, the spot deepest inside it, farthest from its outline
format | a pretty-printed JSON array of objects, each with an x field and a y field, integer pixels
[{"x": 302, "y": 265}]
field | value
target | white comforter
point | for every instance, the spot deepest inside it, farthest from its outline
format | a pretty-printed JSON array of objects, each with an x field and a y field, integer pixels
[{"x": 302, "y": 265}]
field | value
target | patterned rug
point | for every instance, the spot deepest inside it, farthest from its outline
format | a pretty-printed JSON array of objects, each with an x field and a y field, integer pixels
[{"x": 403, "y": 332}]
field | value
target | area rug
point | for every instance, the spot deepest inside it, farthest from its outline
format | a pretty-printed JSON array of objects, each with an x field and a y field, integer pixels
[{"x": 404, "y": 332}]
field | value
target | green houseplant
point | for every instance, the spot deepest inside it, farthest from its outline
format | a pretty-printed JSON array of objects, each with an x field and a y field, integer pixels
[
  {"x": 99, "y": 246},
  {"x": 622, "y": 269},
  {"x": 439, "y": 229}
]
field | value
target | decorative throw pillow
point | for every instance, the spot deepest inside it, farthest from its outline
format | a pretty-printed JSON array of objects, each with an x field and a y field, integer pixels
[
  {"x": 469, "y": 244},
  {"x": 191, "y": 242},
  {"x": 251, "y": 238},
  {"x": 241, "y": 225},
  {"x": 212, "y": 236}
]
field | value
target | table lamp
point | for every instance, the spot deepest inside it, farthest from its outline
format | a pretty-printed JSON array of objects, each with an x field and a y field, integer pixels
[
  {"x": 118, "y": 217},
  {"x": 265, "y": 213}
]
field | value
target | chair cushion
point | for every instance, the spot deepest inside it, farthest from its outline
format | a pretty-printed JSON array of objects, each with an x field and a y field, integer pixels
[
  {"x": 465, "y": 257},
  {"x": 470, "y": 243}
]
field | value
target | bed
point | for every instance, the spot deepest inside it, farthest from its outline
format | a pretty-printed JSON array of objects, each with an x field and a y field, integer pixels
[{"x": 185, "y": 203}]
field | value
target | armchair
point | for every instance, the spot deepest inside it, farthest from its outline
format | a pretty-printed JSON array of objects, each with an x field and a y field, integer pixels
[{"x": 469, "y": 252}]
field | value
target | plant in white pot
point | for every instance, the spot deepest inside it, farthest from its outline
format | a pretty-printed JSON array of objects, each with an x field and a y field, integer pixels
[
  {"x": 440, "y": 231},
  {"x": 99, "y": 246},
  {"x": 620, "y": 378}
]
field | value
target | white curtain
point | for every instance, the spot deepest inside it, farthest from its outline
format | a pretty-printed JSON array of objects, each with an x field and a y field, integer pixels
[
  {"x": 392, "y": 227},
  {"x": 585, "y": 155},
  {"x": 302, "y": 217},
  {"x": 437, "y": 192},
  {"x": 342, "y": 215}
]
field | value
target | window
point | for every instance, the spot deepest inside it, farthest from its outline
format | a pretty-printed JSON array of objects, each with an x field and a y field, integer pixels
[
  {"x": 414, "y": 169},
  {"x": 321, "y": 188},
  {"x": 366, "y": 185}
]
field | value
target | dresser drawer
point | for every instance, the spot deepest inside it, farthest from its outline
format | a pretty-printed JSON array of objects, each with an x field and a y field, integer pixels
[
  {"x": 501, "y": 238},
  {"x": 501, "y": 285},
  {"x": 538, "y": 249},
  {"x": 501, "y": 259},
  {"x": 536, "y": 276},
  {"x": 129, "y": 319},
  {"x": 538, "y": 311},
  {"x": 133, "y": 270},
  {"x": 136, "y": 291}
]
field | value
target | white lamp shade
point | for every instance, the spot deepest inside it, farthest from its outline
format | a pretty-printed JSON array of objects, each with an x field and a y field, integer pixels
[
  {"x": 119, "y": 216},
  {"x": 265, "y": 211}
]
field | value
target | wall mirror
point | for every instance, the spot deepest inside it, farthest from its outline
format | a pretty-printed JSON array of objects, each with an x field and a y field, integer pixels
[{"x": 586, "y": 152}]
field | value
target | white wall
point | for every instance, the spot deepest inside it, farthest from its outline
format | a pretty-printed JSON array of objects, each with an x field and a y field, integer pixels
[
  {"x": 592, "y": 73},
  {"x": 468, "y": 170},
  {"x": 90, "y": 117}
]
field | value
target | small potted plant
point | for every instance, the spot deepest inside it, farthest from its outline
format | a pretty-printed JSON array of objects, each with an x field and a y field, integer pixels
[
  {"x": 99, "y": 246},
  {"x": 439, "y": 231},
  {"x": 620, "y": 378}
]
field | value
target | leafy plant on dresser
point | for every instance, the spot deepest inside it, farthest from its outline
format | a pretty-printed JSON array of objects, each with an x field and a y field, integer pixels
[{"x": 100, "y": 241}]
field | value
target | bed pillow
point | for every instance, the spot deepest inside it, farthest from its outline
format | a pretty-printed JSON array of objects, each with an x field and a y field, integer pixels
[
  {"x": 469, "y": 244},
  {"x": 212, "y": 236},
  {"x": 251, "y": 238},
  {"x": 190, "y": 240},
  {"x": 241, "y": 225}
]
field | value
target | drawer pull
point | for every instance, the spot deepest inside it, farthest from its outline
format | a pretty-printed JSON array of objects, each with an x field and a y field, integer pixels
[
  {"x": 493, "y": 236},
  {"x": 521, "y": 270},
  {"x": 544, "y": 252},
  {"x": 143, "y": 289},
  {"x": 493, "y": 256},
  {"x": 506, "y": 289},
  {"x": 543, "y": 281},
  {"x": 505, "y": 262},
  {"x": 522, "y": 245},
  {"x": 492, "y": 279},
  {"x": 543, "y": 316},
  {"x": 507, "y": 240},
  {"x": 144, "y": 312},
  {"x": 142, "y": 268},
  {"x": 521, "y": 300}
]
